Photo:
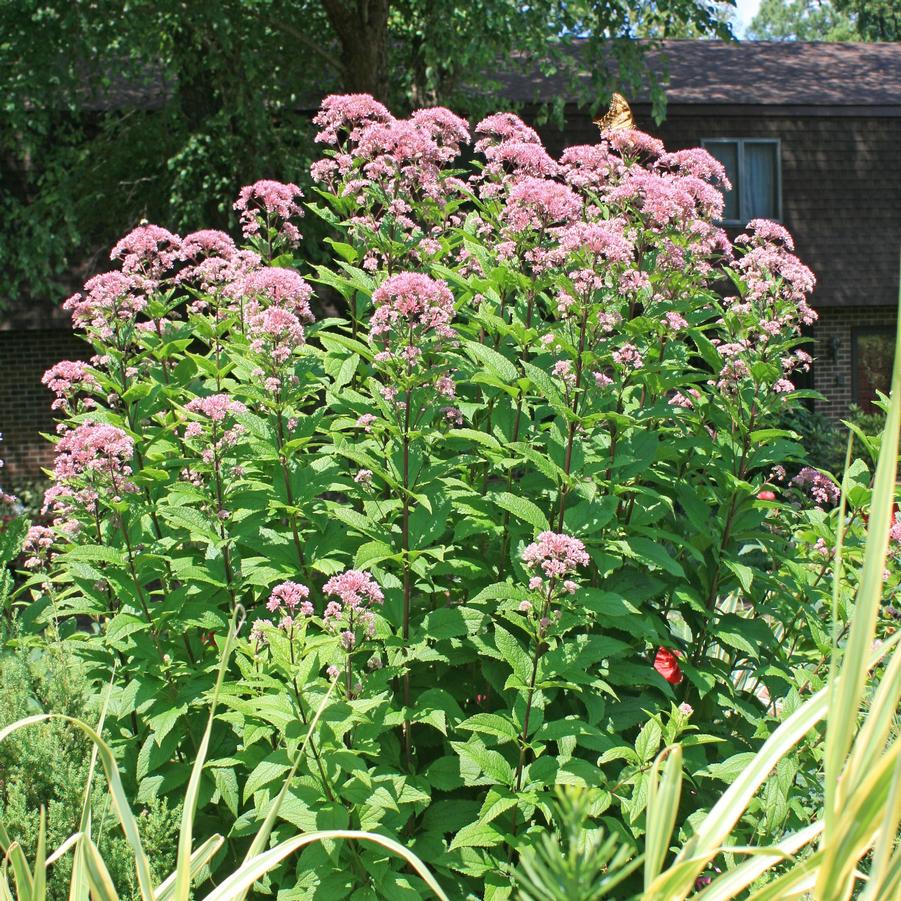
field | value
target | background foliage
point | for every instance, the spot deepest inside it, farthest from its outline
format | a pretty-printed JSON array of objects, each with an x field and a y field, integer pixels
[{"x": 116, "y": 111}]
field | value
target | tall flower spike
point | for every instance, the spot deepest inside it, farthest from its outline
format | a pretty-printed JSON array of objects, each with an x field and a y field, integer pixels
[
  {"x": 556, "y": 554},
  {"x": 411, "y": 308},
  {"x": 270, "y": 203}
]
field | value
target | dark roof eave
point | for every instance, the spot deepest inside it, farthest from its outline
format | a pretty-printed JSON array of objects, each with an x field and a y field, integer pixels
[{"x": 714, "y": 108}]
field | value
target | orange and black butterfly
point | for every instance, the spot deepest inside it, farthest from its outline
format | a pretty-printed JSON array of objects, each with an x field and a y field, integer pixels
[{"x": 618, "y": 117}]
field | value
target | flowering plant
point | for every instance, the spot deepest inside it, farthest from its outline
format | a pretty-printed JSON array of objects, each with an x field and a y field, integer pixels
[{"x": 517, "y": 498}]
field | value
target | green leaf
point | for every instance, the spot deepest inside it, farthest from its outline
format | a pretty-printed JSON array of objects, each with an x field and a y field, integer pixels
[
  {"x": 97, "y": 553},
  {"x": 522, "y": 509},
  {"x": 490, "y": 724},
  {"x": 494, "y": 361},
  {"x": 490, "y": 763},
  {"x": 477, "y": 835},
  {"x": 473, "y": 435},
  {"x": 648, "y": 741},
  {"x": 650, "y": 552},
  {"x": 195, "y": 522},
  {"x": 513, "y": 652}
]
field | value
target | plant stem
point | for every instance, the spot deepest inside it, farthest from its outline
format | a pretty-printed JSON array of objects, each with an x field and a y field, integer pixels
[
  {"x": 326, "y": 785},
  {"x": 525, "y": 722},
  {"x": 289, "y": 494},
  {"x": 405, "y": 546},
  {"x": 568, "y": 458},
  {"x": 220, "y": 507}
]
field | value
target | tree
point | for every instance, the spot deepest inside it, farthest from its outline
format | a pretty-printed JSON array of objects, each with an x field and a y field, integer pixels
[
  {"x": 875, "y": 20},
  {"x": 826, "y": 20},
  {"x": 114, "y": 110}
]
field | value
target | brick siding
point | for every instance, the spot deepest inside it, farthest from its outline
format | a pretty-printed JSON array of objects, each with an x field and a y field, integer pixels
[
  {"x": 24, "y": 402},
  {"x": 833, "y": 373}
]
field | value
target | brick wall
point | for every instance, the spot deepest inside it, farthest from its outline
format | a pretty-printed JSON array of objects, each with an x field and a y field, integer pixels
[
  {"x": 833, "y": 373},
  {"x": 24, "y": 402}
]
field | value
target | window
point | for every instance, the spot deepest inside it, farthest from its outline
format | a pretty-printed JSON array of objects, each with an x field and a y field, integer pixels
[
  {"x": 872, "y": 355},
  {"x": 753, "y": 167}
]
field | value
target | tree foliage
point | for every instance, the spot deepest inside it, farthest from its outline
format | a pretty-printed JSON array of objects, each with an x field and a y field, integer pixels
[
  {"x": 826, "y": 20},
  {"x": 119, "y": 110}
]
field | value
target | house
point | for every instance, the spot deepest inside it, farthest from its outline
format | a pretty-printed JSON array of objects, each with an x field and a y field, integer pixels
[{"x": 810, "y": 134}]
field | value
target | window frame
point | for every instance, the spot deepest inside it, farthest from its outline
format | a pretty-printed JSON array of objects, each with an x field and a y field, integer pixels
[
  {"x": 858, "y": 332},
  {"x": 740, "y": 156}
]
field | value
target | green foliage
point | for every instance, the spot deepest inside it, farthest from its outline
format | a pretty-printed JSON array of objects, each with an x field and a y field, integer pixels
[
  {"x": 826, "y": 20},
  {"x": 158, "y": 109},
  {"x": 518, "y": 520},
  {"x": 573, "y": 861},
  {"x": 826, "y": 440},
  {"x": 862, "y": 813},
  {"x": 46, "y": 770},
  {"x": 803, "y": 20},
  {"x": 875, "y": 20}
]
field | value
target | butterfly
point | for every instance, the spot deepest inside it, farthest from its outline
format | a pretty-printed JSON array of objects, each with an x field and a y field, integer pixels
[{"x": 618, "y": 117}]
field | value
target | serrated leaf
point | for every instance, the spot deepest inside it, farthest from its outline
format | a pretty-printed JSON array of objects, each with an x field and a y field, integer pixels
[
  {"x": 477, "y": 835},
  {"x": 523, "y": 509},
  {"x": 490, "y": 724}
]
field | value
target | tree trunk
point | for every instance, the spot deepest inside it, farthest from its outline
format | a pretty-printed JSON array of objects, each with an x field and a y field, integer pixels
[{"x": 362, "y": 29}]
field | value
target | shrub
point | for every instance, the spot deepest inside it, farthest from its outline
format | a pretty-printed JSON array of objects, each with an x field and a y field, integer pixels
[
  {"x": 520, "y": 501},
  {"x": 48, "y": 769}
]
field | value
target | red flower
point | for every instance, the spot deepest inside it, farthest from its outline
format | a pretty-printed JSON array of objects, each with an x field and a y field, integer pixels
[
  {"x": 667, "y": 664},
  {"x": 766, "y": 496}
]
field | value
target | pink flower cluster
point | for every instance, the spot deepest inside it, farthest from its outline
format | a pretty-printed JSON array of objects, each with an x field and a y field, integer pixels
[
  {"x": 108, "y": 302},
  {"x": 589, "y": 167},
  {"x": 392, "y": 169},
  {"x": 268, "y": 205},
  {"x": 215, "y": 406},
  {"x": 274, "y": 286},
  {"x": 93, "y": 460},
  {"x": 206, "y": 243},
  {"x": 556, "y": 554},
  {"x": 666, "y": 199},
  {"x": 67, "y": 379},
  {"x": 687, "y": 400},
  {"x": 411, "y": 311},
  {"x": 895, "y": 529},
  {"x": 820, "y": 486},
  {"x": 605, "y": 240},
  {"x": 536, "y": 204},
  {"x": 357, "y": 592},
  {"x": 147, "y": 254},
  {"x": 93, "y": 447},
  {"x": 629, "y": 357},
  {"x": 633, "y": 143},
  {"x": 289, "y": 600},
  {"x": 275, "y": 332},
  {"x": 215, "y": 274},
  {"x": 501, "y": 128},
  {"x": 38, "y": 542},
  {"x": 777, "y": 282},
  {"x": 697, "y": 163},
  {"x": 214, "y": 409},
  {"x": 512, "y": 150},
  {"x": 343, "y": 117}
]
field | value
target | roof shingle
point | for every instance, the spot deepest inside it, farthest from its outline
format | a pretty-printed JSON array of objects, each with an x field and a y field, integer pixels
[{"x": 756, "y": 73}]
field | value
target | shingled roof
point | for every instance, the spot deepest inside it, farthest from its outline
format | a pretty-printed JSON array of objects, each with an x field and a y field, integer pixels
[{"x": 756, "y": 73}]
